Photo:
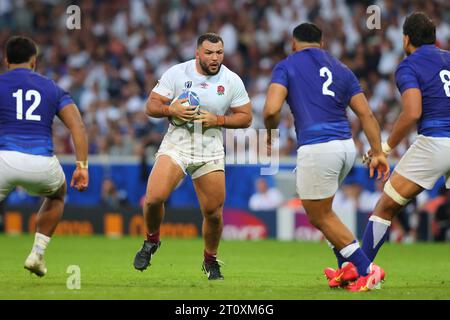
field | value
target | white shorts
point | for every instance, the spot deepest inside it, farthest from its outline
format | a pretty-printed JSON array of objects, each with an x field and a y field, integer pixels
[
  {"x": 322, "y": 167},
  {"x": 426, "y": 160},
  {"x": 194, "y": 169},
  {"x": 38, "y": 175}
]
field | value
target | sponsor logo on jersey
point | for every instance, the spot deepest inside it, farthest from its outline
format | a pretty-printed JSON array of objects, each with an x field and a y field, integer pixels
[
  {"x": 188, "y": 84},
  {"x": 204, "y": 85}
]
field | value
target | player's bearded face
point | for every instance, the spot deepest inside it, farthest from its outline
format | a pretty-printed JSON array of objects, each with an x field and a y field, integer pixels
[{"x": 210, "y": 57}]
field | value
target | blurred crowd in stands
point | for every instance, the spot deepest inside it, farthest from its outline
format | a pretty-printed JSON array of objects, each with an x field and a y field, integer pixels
[{"x": 112, "y": 63}]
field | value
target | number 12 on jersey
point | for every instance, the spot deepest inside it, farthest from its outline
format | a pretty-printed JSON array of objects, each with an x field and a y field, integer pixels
[{"x": 29, "y": 95}]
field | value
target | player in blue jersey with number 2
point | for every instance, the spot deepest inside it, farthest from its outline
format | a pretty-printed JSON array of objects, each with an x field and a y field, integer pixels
[
  {"x": 28, "y": 104},
  {"x": 423, "y": 79},
  {"x": 318, "y": 89}
]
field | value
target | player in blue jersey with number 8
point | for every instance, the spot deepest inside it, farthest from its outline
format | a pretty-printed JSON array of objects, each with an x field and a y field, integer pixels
[
  {"x": 423, "y": 79},
  {"x": 28, "y": 105},
  {"x": 318, "y": 89}
]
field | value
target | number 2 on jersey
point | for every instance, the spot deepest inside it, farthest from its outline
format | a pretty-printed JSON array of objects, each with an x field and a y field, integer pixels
[
  {"x": 324, "y": 71},
  {"x": 29, "y": 95},
  {"x": 445, "y": 77}
]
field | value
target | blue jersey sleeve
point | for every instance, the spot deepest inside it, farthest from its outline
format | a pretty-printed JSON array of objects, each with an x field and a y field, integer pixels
[
  {"x": 64, "y": 99},
  {"x": 406, "y": 78},
  {"x": 279, "y": 75},
  {"x": 354, "y": 86}
]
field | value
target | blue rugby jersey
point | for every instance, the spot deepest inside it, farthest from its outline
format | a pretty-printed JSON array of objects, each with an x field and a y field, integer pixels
[
  {"x": 28, "y": 104},
  {"x": 428, "y": 69},
  {"x": 319, "y": 89}
]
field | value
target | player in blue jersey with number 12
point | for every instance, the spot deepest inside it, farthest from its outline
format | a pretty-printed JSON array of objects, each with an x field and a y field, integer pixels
[
  {"x": 28, "y": 105},
  {"x": 423, "y": 79},
  {"x": 318, "y": 89}
]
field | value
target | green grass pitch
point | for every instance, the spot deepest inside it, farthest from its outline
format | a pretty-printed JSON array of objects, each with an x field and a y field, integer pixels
[{"x": 265, "y": 270}]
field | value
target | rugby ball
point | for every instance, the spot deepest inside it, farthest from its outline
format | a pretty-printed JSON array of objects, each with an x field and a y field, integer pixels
[{"x": 193, "y": 100}]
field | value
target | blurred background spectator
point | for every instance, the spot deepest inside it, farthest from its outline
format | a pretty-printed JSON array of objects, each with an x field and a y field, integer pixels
[
  {"x": 112, "y": 197},
  {"x": 265, "y": 198}
]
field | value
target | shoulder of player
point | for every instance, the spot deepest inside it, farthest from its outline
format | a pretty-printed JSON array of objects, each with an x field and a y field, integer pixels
[
  {"x": 41, "y": 77},
  {"x": 231, "y": 76},
  {"x": 177, "y": 68},
  {"x": 404, "y": 65},
  {"x": 282, "y": 64},
  {"x": 340, "y": 67}
]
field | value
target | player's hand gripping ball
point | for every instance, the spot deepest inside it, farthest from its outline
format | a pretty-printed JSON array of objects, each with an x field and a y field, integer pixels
[{"x": 192, "y": 100}]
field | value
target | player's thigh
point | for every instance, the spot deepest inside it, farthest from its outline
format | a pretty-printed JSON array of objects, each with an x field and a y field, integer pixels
[
  {"x": 348, "y": 161},
  {"x": 54, "y": 185},
  {"x": 403, "y": 186},
  {"x": 38, "y": 175},
  {"x": 5, "y": 182},
  {"x": 166, "y": 174},
  {"x": 60, "y": 193},
  {"x": 396, "y": 194},
  {"x": 319, "y": 174},
  {"x": 425, "y": 161},
  {"x": 210, "y": 189}
]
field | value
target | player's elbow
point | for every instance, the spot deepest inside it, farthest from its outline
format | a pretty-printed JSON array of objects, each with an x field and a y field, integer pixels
[
  {"x": 414, "y": 114},
  {"x": 150, "y": 109},
  {"x": 248, "y": 121},
  {"x": 269, "y": 113}
]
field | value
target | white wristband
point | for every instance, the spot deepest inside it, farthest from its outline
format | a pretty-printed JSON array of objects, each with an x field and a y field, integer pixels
[
  {"x": 386, "y": 148},
  {"x": 82, "y": 164}
]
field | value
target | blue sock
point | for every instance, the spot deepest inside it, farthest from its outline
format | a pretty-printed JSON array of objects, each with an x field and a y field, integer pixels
[
  {"x": 355, "y": 255},
  {"x": 374, "y": 236},
  {"x": 339, "y": 257}
]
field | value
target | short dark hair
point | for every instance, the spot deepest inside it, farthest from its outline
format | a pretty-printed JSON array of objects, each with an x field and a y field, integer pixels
[
  {"x": 307, "y": 32},
  {"x": 20, "y": 49},
  {"x": 420, "y": 29},
  {"x": 210, "y": 36}
]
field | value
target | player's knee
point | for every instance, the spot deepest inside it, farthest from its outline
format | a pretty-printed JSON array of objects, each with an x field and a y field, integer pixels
[
  {"x": 152, "y": 200},
  {"x": 315, "y": 221},
  {"x": 213, "y": 211},
  {"x": 317, "y": 218}
]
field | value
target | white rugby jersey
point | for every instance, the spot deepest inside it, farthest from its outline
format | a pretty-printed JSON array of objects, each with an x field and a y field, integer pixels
[{"x": 217, "y": 94}]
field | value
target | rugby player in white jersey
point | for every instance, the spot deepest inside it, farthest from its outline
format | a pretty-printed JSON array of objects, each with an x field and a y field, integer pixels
[{"x": 221, "y": 92}]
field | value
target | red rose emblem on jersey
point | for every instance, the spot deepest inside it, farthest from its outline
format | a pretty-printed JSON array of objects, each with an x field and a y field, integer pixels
[{"x": 220, "y": 90}]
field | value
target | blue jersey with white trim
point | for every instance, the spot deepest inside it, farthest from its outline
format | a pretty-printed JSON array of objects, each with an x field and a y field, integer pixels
[
  {"x": 319, "y": 89},
  {"x": 28, "y": 104},
  {"x": 428, "y": 69}
]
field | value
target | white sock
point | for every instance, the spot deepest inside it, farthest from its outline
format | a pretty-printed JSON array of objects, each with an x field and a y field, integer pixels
[
  {"x": 347, "y": 251},
  {"x": 380, "y": 227},
  {"x": 40, "y": 243}
]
